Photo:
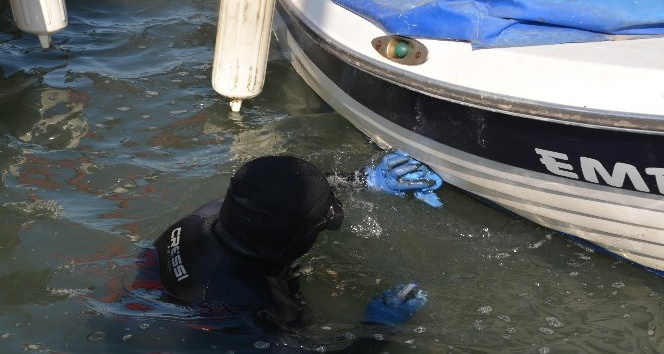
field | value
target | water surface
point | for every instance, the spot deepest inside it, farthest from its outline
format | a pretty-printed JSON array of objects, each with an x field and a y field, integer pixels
[{"x": 115, "y": 133}]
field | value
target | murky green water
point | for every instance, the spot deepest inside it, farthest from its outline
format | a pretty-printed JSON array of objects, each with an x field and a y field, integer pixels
[{"x": 116, "y": 133}]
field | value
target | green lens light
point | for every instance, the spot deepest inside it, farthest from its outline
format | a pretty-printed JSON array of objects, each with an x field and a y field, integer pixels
[{"x": 401, "y": 49}]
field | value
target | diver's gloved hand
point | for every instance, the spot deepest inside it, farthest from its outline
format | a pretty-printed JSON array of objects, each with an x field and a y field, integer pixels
[
  {"x": 396, "y": 306},
  {"x": 398, "y": 173}
]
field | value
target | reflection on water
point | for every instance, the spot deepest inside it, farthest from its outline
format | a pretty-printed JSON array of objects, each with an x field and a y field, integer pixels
[
  {"x": 116, "y": 133},
  {"x": 62, "y": 124}
]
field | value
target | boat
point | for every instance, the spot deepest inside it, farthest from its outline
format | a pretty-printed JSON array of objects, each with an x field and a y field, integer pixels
[{"x": 568, "y": 135}]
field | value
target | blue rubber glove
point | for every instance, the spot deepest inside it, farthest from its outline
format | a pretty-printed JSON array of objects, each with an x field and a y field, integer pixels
[
  {"x": 393, "y": 307},
  {"x": 398, "y": 173},
  {"x": 427, "y": 194}
]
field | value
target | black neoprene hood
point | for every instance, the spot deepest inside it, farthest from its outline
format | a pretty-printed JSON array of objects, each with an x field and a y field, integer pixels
[{"x": 276, "y": 205}]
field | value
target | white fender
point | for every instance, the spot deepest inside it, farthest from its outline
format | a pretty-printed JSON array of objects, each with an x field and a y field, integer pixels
[
  {"x": 40, "y": 17},
  {"x": 241, "y": 49}
]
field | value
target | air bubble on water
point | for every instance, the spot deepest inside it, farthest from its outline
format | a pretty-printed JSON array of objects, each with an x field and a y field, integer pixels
[
  {"x": 505, "y": 318},
  {"x": 573, "y": 274},
  {"x": 126, "y": 336},
  {"x": 543, "y": 350},
  {"x": 261, "y": 345},
  {"x": 320, "y": 349},
  {"x": 144, "y": 325},
  {"x": 584, "y": 256},
  {"x": 152, "y": 93},
  {"x": 537, "y": 244},
  {"x": 410, "y": 341},
  {"x": 5, "y": 335},
  {"x": 369, "y": 228},
  {"x": 651, "y": 332},
  {"x": 145, "y": 116},
  {"x": 123, "y": 109},
  {"x": 554, "y": 322},
  {"x": 546, "y": 330},
  {"x": 419, "y": 329},
  {"x": 479, "y": 325},
  {"x": 618, "y": 285},
  {"x": 485, "y": 310},
  {"x": 349, "y": 336},
  {"x": 326, "y": 328},
  {"x": 306, "y": 270},
  {"x": 35, "y": 347},
  {"x": 68, "y": 292},
  {"x": 378, "y": 336},
  {"x": 511, "y": 330},
  {"x": 178, "y": 112},
  {"x": 584, "y": 247},
  {"x": 96, "y": 336}
]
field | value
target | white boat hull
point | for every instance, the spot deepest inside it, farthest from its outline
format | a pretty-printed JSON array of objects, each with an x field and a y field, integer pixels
[{"x": 567, "y": 186}]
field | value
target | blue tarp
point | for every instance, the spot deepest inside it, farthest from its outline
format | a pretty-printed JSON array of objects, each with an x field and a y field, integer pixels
[{"x": 507, "y": 23}]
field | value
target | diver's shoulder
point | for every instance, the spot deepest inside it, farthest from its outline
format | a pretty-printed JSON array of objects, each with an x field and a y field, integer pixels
[{"x": 209, "y": 209}]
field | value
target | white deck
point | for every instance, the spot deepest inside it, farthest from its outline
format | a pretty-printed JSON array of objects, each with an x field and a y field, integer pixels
[{"x": 619, "y": 76}]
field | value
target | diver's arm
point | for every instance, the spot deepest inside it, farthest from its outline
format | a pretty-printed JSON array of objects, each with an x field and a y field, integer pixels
[
  {"x": 385, "y": 313},
  {"x": 396, "y": 174},
  {"x": 383, "y": 318}
]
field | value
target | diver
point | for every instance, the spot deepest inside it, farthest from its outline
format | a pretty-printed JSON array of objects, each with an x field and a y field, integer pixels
[{"x": 240, "y": 250}]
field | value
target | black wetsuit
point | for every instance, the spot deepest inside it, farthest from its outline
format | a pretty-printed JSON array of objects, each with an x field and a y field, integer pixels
[
  {"x": 199, "y": 264},
  {"x": 201, "y": 261}
]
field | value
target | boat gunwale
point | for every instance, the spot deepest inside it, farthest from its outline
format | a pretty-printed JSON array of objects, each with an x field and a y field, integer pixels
[{"x": 490, "y": 101}]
